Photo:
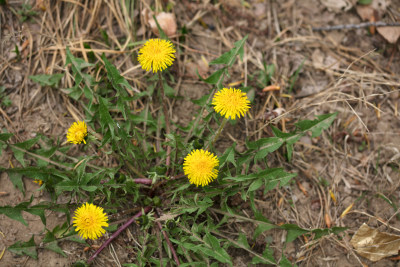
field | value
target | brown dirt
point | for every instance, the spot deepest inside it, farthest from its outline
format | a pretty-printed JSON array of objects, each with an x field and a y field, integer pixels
[{"x": 349, "y": 71}]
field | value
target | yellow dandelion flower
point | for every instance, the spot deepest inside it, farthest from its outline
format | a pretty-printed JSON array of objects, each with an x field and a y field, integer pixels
[
  {"x": 89, "y": 220},
  {"x": 77, "y": 132},
  {"x": 38, "y": 181},
  {"x": 200, "y": 167},
  {"x": 157, "y": 54},
  {"x": 231, "y": 103}
]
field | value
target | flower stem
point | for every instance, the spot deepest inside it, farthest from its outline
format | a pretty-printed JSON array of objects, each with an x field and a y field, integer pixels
[
  {"x": 116, "y": 233},
  {"x": 200, "y": 114},
  {"x": 166, "y": 117},
  {"x": 221, "y": 127}
]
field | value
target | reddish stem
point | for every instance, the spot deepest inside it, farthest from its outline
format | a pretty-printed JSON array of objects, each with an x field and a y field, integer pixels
[
  {"x": 143, "y": 181},
  {"x": 116, "y": 233},
  {"x": 171, "y": 247}
]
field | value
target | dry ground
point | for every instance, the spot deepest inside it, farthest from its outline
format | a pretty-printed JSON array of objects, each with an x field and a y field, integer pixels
[{"x": 349, "y": 71}]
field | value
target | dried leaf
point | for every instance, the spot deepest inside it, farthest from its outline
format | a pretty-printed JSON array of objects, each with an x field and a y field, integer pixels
[
  {"x": 375, "y": 245},
  {"x": 166, "y": 217},
  {"x": 391, "y": 34},
  {"x": 167, "y": 23},
  {"x": 337, "y": 5},
  {"x": 365, "y": 12}
]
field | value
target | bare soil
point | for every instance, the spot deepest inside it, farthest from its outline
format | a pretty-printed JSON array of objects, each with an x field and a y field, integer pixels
[{"x": 352, "y": 72}]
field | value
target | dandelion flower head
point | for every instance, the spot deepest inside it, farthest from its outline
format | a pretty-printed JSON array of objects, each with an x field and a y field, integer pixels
[
  {"x": 38, "y": 181},
  {"x": 231, "y": 103},
  {"x": 200, "y": 167},
  {"x": 77, "y": 132},
  {"x": 89, "y": 221},
  {"x": 156, "y": 54}
]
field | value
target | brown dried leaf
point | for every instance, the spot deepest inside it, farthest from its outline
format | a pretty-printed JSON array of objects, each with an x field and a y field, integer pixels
[
  {"x": 338, "y": 6},
  {"x": 167, "y": 23},
  {"x": 375, "y": 245},
  {"x": 365, "y": 12},
  {"x": 166, "y": 217},
  {"x": 391, "y": 34}
]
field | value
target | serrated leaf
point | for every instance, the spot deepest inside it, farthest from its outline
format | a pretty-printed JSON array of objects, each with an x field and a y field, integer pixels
[
  {"x": 16, "y": 179},
  {"x": 275, "y": 176},
  {"x": 279, "y": 133},
  {"x": 215, "y": 77},
  {"x": 77, "y": 64},
  {"x": 294, "y": 231},
  {"x": 228, "y": 156},
  {"x": 73, "y": 92},
  {"x": 322, "y": 232},
  {"x": 114, "y": 76},
  {"x": 69, "y": 185},
  {"x": 261, "y": 228},
  {"x": 15, "y": 213},
  {"x": 221, "y": 255},
  {"x": 39, "y": 210},
  {"x": 242, "y": 239},
  {"x": 89, "y": 188},
  {"x": 201, "y": 101},
  {"x": 19, "y": 147},
  {"x": 229, "y": 57},
  {"x": 316, "y": 126},
  {"x": 5, "y": 136},
  {"x": 105, "y": 117},
  {"x": 47, "y": 79},
  {"x": 19, "y": 156},
  {"x": 28, "y": 143},
  {"x": 212, "y": 240},
  {"x": 51, "y": 243},
  {"x": 53, "y": 246},
  {"x": 24, "y": 248},
  {"x": 269, "y": 144},
  {"x": 266, "y": 146},
  {"x": 39, "y": 173},
  {"x": 255, "y": 185},
  {"x": 284, "y": 262},
  {"x": 268, "y": 254}
]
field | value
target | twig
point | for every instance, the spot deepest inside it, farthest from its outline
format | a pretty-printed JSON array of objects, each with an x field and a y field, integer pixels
[
  {"x": 143, "y": 181},
  {"x": 356, "y": 26},
  {"x": 116, "y": 233},
  {"x": 171, "y": 247}
]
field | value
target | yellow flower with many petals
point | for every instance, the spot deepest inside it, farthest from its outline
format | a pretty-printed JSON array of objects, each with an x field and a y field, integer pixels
[
  {"x": 156, "y": 54},
  {"x": 200, "y": 167},
  {"x": 231, "y": 103},
  {"x": 38, "y": 181},
  {"x": 77, "y": 132},
  {"x": 89, "y": 221}
]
